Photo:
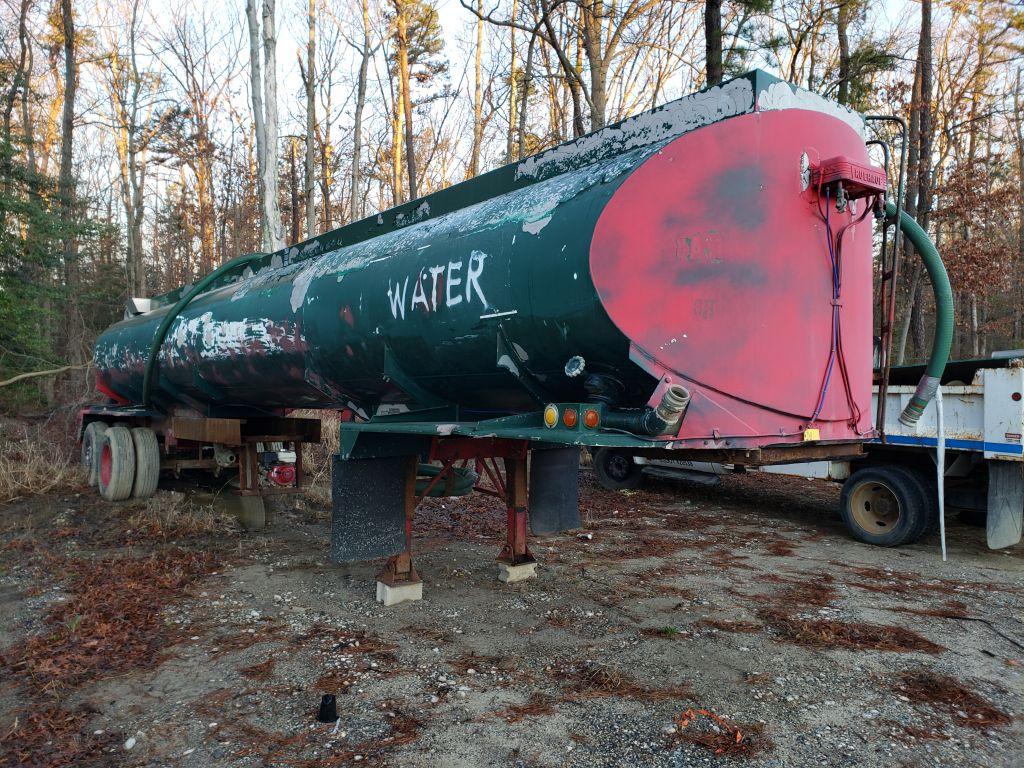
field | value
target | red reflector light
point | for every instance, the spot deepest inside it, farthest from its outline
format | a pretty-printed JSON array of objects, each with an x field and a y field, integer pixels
[
  {"x": 591, "y": 418},
  {"x": 1016, "y": 397},
  {"x": 569, "y": 417}
]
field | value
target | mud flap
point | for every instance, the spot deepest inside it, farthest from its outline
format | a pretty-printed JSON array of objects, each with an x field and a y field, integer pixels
[
  {"x": 554, "y": 490},
  {"x": 367, "y": 508},
  {"x": 1005, "y": 503}
]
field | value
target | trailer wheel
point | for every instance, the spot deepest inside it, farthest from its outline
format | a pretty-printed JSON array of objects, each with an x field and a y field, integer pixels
[
  {"x": 147, "y": 462},
  {"x": 117, "y": 464},
  {"x": 92, "y": 437},
  {"x": 616, "y": 469},
  {"x": 884, "y": 506}
]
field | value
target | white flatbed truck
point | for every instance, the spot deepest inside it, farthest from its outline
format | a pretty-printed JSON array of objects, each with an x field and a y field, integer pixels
[{"x": 891, "y": 495}]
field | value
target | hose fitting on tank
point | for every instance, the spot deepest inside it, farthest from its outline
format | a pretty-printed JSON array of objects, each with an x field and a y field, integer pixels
[
  {"x": 652, "y": 421},
  {"x": 673, "y": 404}
]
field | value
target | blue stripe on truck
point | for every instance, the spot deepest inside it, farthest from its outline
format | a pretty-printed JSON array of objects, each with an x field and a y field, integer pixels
[{"x": 967, "y": 445}]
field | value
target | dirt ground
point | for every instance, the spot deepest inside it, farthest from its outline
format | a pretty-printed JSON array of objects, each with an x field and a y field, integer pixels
[{"x": 682, "y": 626}]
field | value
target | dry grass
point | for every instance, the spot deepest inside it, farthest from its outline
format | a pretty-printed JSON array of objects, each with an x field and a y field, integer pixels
[
  {"x": 962, "y": 705},
  {"x": 260, "y": 671},
  {"x": 172, "y": 515},
  {"x": 823, "y": 633},
  {"x": 538, "y": 704},
  {"x": 720, "y": 735},
  {"x": 334, "y": 683},
  {"x": 111, "y": 622},
  {"x": 33, "y": 462},
  {"x": 590, "y": 681},
  {"x": 781, "y": 547},
  {"x": 317, "y": 459},
  {"x": 52, "y": 737}
]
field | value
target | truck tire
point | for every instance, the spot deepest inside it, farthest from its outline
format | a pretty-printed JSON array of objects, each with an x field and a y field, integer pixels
[
  {"x": 616, "y": 469},
  {"x": 147, "y": 462},
  {"x": 930, "y": 495},
  {"x": 885, "y": 506},
  {"x": 92, "y": 437},
  {"x": 117, "y": 464}
]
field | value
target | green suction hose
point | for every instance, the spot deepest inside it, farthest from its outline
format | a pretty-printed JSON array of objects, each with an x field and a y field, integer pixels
[
  {"x": 228, "y": 267},
  {"x": 943, "y": 337}
]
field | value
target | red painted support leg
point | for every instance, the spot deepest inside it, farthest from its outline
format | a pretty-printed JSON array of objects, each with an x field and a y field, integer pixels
[{"x": 517, "y": 562}]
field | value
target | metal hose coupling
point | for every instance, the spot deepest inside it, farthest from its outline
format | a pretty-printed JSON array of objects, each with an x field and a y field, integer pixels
[
  {"x": 673, "y": 405},
  {"x": 653, "y": 421},
  {"x": 922, "y": 396}
]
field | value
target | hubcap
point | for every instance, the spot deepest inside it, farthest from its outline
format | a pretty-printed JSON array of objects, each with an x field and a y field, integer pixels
[
  {"x": 875, "y": 507},
  {"x": 618, "y": 466}
]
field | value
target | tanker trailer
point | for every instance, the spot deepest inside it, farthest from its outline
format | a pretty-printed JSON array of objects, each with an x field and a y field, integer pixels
[{"x": 694, "y": 281}]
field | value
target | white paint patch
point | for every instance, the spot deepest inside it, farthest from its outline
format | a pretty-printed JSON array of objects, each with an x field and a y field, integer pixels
[
  {"x": 506, "y": 362},
  {"x": 534, "y": 227},
  {"x": 421, "y": 212},
  {"x": 222, "y": 338},
  {"x": 300, "y": 285},
  {"x": 785, "y": 96},
  {"x": 500, "y": 314},
  {"x": 666, "y": 122}
]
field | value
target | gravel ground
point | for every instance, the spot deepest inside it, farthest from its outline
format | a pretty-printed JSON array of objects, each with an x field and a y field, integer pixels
[{"x": 682, "y": 626}]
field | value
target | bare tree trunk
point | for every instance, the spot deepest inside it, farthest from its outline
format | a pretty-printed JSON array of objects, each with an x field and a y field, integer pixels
[
  {"x": 310, "y": 121},
  {"x": 910, "y": 205},
  {"x": 125, "y": 84},
  {"x": 975, "y": 335},
  {"x": 527, "y": 74},
  {"x": 478, "y": 128},
  {"x": 924, "y": 167},
  {"x": 842, "y": 29},
  {"x": 271, "y": 206},
  {"x": 593, "y": 14},
  {"x": 66, "y": 188},
  {"x": 259, "y": 127},
  {"x": 204, "y": 191},
  {"x": 571, "y": 72},
  {"x": 293, "y": 183},
  {"x": 1018, "y": 128},
  {"x": 355, "y": 199},
  {"x": 513, "y": 85},
  {"x": 397, "y": 118},
  {"x": 403, "y": 84},
  {"x": 18, "y": 83},
  {"x": 713, "y": 40}
]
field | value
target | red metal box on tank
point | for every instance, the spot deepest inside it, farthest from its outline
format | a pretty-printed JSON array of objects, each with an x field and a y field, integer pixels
[{"x": 858, "y": 180}]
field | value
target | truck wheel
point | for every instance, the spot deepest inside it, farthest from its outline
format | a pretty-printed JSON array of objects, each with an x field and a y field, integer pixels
[
  {"x": 930, "y": 494},
  {"x": 884, "y": 506},
  {"x": 147, "y": 462},
  {"x": 117, "y": 464},
  {"x": 616, "y": 469},
  {"x": 92, "y": 437}
]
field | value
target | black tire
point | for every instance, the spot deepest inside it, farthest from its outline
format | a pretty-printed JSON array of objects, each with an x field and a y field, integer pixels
[
  {"x": 928, "y": 482},
  {"x": 147, "y": 462},
  {"x": 885, "y": 506},
  {"x": 92, "y": 438},
  {"x": 117, "y": 464},
  {"x": 616, "y": 469}
]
